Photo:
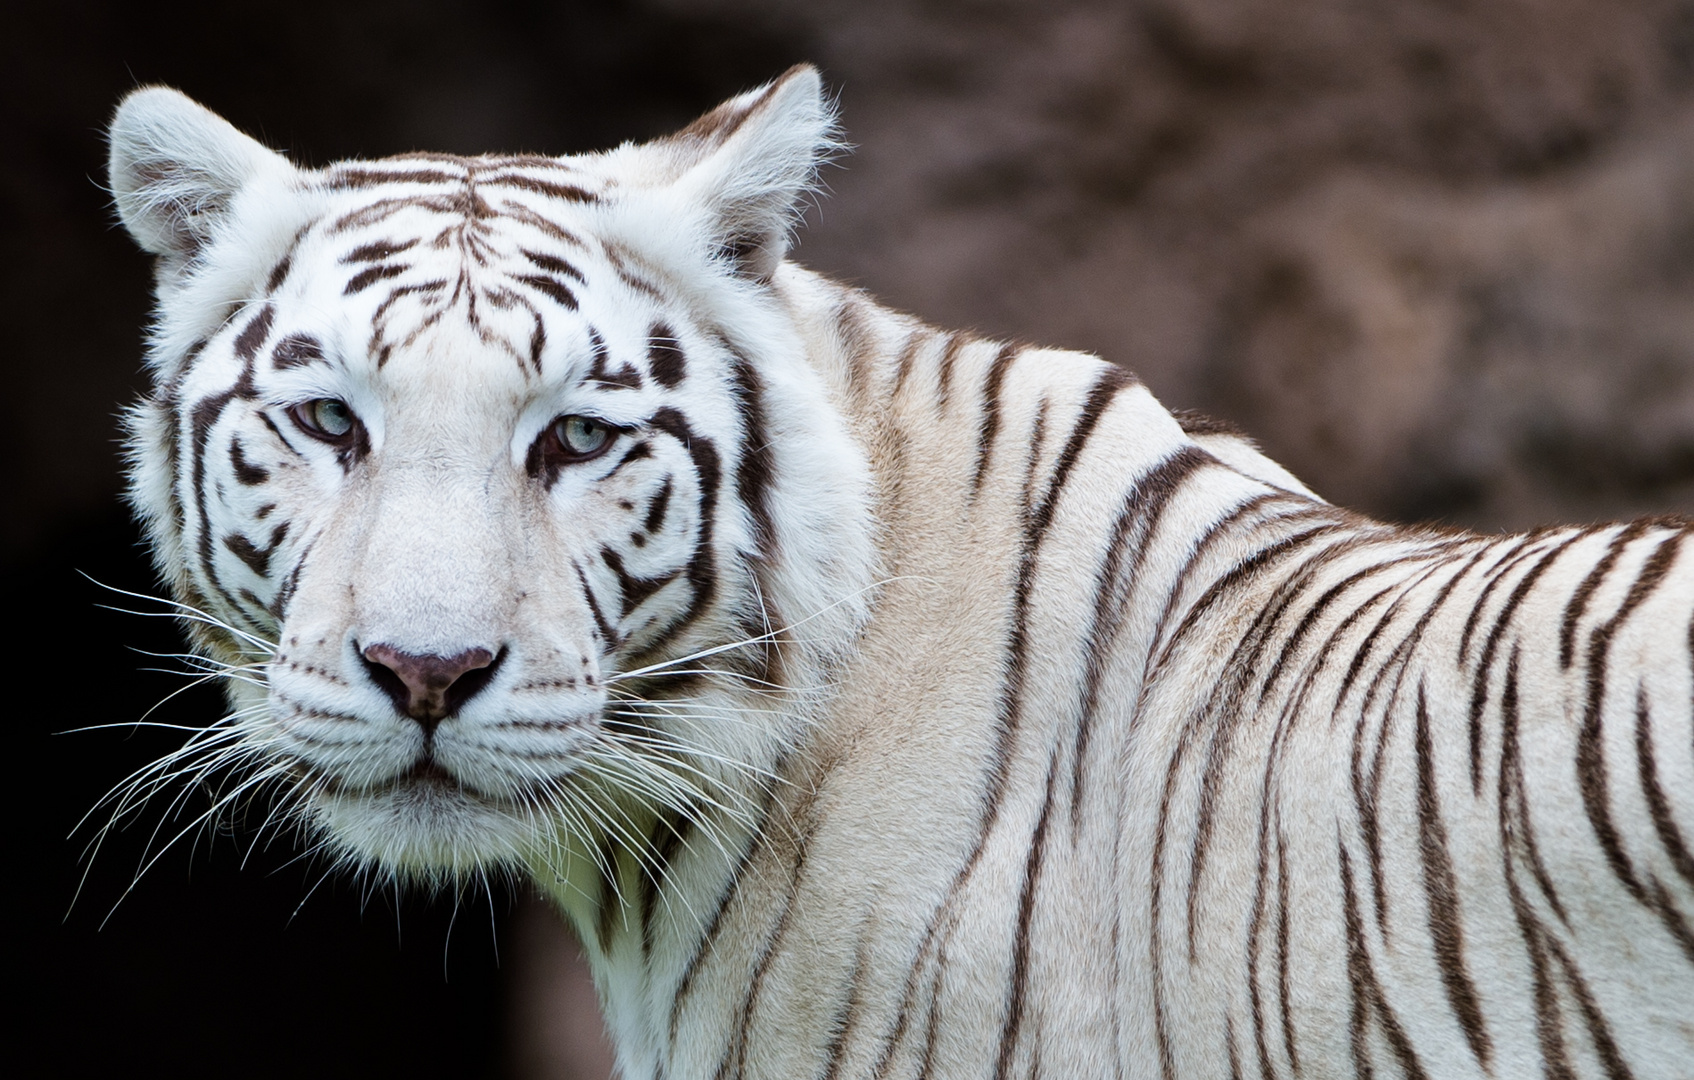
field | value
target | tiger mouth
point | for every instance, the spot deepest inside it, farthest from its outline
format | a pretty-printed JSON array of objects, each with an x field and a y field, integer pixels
[
  {"x": 428, "y": 772},
  {"x": 425, "y": 778}
]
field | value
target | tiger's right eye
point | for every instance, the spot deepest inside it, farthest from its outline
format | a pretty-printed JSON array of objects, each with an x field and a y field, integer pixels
[{"x": 326, "y": 418}]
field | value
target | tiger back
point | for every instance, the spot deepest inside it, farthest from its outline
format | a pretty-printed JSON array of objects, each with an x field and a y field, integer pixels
[{"x": 874, "y": 700}]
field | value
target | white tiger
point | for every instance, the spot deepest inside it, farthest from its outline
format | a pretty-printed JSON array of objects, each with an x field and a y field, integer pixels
[{"x": 878, "y": 701}]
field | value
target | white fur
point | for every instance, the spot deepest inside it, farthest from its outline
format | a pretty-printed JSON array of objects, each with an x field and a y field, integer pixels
[{"x": 1022, "y": 748}]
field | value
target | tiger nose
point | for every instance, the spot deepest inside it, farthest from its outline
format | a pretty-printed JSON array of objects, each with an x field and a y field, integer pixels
[{"x": 429, "y": 688}]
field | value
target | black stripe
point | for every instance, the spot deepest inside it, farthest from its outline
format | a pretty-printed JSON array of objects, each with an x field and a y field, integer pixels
[
  {"x": 290, "y": 585},
  {"x": 1367, "y": 994},
  {"x": 279, "y": 273},
  {"x": 944, "y": 374},
  {"x": 990, "y": 424},
  {"x": 846, "y": 1018},
  {"x": 608, "y": 634},
  {"x": 903, "y": 362},
  {"x": 669, "y": 837},
  {"x": 1548, "y": 1023},
  {"x": 1032, "y": 867},
  {"x": 1198, "y": 425},
  {"x": 1143, "y": 508},
  {"x": 714, "y": 926},
  {"x": 1282, "y": 995},
  {"x": 551, "y": 189},
  {"x": 203, "y": 417},
  {"x": 1590, "y": 756},
  {"x": 377, "y": 251},
  {"x": 246, "y": 472},
  {"x": 554, "y": 265},
  {"x": 609, "y": 894},
  {"x": 1600, "y": 1032},
  {"x": 1523, "y": 827},
  {"x": 258, "y": 559},
  {"x": 1291, "y": 710},
  {"x": 755, "y": 472},
  {"x": 1226, "y": 706},
  {"x": 1441, "y": 887},
  {"x": 551, "y": 287},
  {"x": 369, "y": 276},
  {"x": 1366, "y": 789},
  {"x": 1240, "y": 574},
  {"x": 1308, "y": 622},
  {"x": 665, "y": 361},
  {"x": 1657, "y": 804},
  {"x": 295, "y": 350},
  {"x": 702, "y": 569},
  {"x": 252, "y": 336},
  {"x": 737, "y": 1050},
  {"x": 1100, "y": 396},
  {"x": 634, "y": 590},
  {"x": 361, "y": 177},
  {"x": 1522, "y": 549},
  {"x": 1007, "y": 721},
  {"x": 656, "y": 509},
  {"x": 641, "y": 451},
  {"x": 1584, "y": 592},
  {"x": 1479, "y": 685}
]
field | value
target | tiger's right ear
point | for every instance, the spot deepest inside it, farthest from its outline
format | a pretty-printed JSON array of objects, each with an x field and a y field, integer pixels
[
  {"x": 748, "y": 164},
  {"x": 175, "y": 167}
]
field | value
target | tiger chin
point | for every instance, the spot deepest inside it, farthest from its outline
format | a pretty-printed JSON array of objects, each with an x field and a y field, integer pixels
[{"x": 875, "y": 700}]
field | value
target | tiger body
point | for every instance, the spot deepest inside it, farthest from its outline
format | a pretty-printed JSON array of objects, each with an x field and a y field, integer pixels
[{"x": 878, "y": 701}]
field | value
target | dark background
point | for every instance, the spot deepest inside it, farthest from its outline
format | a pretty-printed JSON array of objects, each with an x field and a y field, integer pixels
[{"x": 1437, "y": 254}]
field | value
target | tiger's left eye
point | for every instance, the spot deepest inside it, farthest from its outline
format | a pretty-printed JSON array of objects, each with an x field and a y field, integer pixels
[
  {"x": 327, "y": 418},
  {"x": 582, "y": 437}
]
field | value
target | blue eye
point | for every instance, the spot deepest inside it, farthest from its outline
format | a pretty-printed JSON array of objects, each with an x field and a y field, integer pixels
[
  {"x": 326, "y": 418},
  {"x": 582, "y": 437}
]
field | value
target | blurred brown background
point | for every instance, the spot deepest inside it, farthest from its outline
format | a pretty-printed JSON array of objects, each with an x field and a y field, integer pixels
[{"x": 1438, "y": 255}]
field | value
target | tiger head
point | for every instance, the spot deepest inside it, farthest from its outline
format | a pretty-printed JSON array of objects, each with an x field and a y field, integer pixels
[{"x": 494, "y": 482}]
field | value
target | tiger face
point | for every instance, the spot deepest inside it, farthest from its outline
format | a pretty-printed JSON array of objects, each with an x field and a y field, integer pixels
[{"x": 468, "y": 463}]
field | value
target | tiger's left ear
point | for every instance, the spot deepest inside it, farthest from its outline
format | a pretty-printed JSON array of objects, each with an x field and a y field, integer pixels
[{"x": 749, "y": 162}]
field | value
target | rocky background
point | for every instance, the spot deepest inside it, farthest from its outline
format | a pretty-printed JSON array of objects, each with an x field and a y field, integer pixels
[{"x": 1437, "y": 255}]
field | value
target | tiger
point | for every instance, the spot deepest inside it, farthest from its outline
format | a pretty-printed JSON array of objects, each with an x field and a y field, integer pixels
[{"x": 875, "y": 700}]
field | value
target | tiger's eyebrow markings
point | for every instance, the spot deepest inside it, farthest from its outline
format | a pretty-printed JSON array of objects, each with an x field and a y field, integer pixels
[
  {"x": 538, "y": 186},
  {"x": 377, "y": 250},
  {"x": 554, "y": 265},
  {"x": 279, "y": 273},
  {"x": 296, "y": 350},
  {"x": 369, "y": 276},
  {"x": 520, "y": 212},
  {"x": 626, "y": 377},
  {"x": 665, "y": 360},
  {"x": 346, "y": 179}
]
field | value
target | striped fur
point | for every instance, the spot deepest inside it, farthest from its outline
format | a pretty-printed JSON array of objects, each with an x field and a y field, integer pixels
[{"x": 889, "y": 702}]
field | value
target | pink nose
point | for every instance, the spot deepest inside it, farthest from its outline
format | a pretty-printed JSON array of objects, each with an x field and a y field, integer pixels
[{"x": 429, "y": 688}]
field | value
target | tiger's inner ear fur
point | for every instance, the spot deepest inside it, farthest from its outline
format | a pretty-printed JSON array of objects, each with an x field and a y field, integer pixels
[
  {"x": 175, "y": 167},
  {"x": 749, "y": 162}
]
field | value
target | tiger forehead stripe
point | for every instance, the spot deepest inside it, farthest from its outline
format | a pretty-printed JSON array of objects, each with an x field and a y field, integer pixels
[
  {"x": 664, "y": 356},
  {"x": 554, "y": 264},
  {"x": 625, "y": 376},
  {"x": 369, "y": 276},
  {"x": 295, "y": 350},
  {"x": 537, "y": 186},
  {"x": 377, "y": 250}
]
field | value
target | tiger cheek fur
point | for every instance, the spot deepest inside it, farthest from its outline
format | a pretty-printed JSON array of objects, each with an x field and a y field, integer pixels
[{"x": 878, "y": 701}]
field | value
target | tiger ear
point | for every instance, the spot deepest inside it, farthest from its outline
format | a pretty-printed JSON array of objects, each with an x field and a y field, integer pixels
[
  {"x": 175, "y": 167},
  {"x": 749, "y": 163}
]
